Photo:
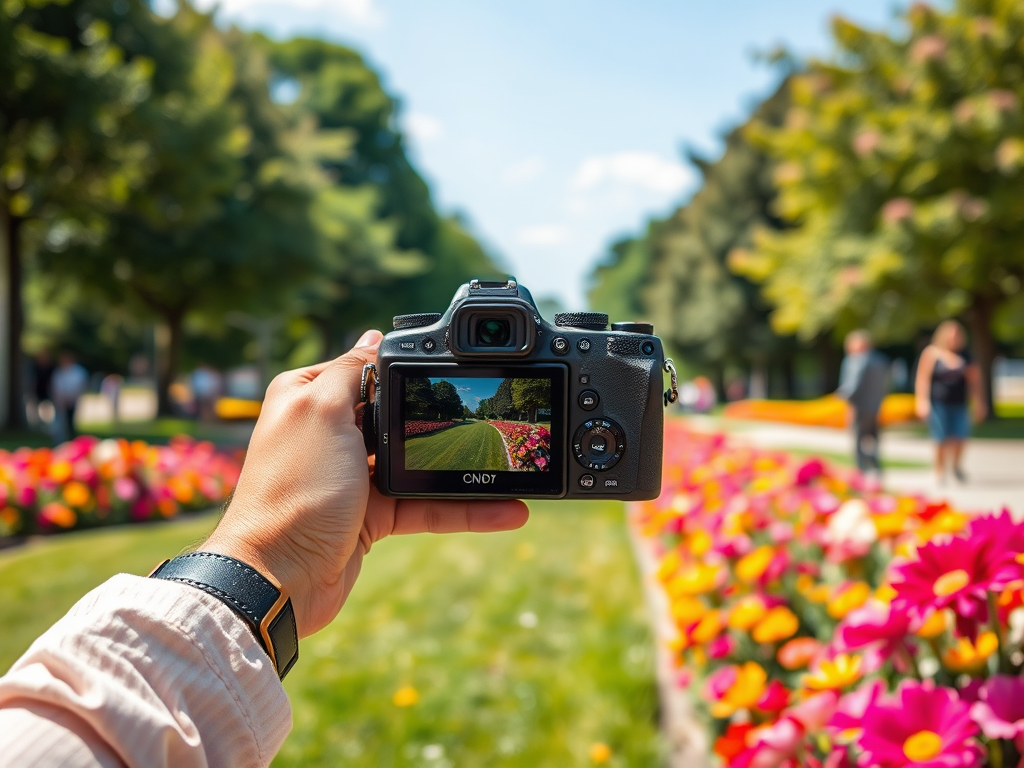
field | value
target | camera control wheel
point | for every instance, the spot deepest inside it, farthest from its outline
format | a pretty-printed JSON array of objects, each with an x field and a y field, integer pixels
[{"x": 599, "y": 444}]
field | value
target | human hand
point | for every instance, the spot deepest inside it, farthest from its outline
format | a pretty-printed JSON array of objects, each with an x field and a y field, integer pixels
[
  {"x": 923, "y": 408},
  {"x": 304, "y": 509},
  {"x": 980, "y": 411}
]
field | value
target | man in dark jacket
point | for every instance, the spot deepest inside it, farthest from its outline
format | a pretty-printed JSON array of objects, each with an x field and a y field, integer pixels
[{"x": 863, "y": 383}]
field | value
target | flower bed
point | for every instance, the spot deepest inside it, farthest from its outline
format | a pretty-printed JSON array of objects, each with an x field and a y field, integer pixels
[
  {"x": 88, "y": 483},
  {"x": 414, "y": 428},
  {"x": 830, "y": 411},
  {"x": 528, "y": 445},
  {"x": 823, "y": 625}
]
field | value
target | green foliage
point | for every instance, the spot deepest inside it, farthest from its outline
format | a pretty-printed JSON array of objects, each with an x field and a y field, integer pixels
[
  {"x": 901, "y": 167},
  {"x": 449, "y": 404},
  {"x": 420, "y": 400},
  {"x": 531, "y": 395}
]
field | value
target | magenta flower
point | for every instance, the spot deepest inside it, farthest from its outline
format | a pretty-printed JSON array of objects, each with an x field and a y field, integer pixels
[
  {"x": 874, "y": 625},
  {"x": 1000, "y": 708},
  {"x": 777, "y": 743},
  {"x": 849, "y": 714},
  {"x": 924, "y": 726},
  {"x": 957, "y": 572},
  {"x": 1002, "y": 540}
]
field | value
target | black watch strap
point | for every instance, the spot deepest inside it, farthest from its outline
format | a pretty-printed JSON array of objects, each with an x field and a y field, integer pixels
[{"x": 263, "y": 605}]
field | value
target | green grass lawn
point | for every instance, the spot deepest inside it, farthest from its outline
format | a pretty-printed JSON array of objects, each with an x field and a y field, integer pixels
[
  {"x": 472, "y": 445},
  {"x": 525, "y": 648}
]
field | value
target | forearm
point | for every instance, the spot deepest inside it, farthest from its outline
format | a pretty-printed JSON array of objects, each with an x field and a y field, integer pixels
[{"x": 143, "y": 673}]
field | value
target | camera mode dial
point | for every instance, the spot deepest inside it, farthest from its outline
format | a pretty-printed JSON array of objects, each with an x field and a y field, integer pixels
[
  {"x": 599, "y": 444},
  {"x": 403, "y": 322},
  {"x": 590, "y": 321},
  {"x": 647, "y": 328}
]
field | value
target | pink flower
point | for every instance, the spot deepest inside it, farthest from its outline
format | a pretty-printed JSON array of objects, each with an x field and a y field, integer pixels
[
  {"x": 775, "y": 698},
  {"x": 808, "y": 471},
  {"x": 954, "y": 573},
  {"x": 776, "y": 743},
  {"x": 1000, "y": 709},
  {"x": 721, "y": 647},
  {"x": 125, "y": 489},
  {"x": 719, "y": 682},
  {"x": 924, "y": 726},
  {"x": 874, "y": 624},
  {"x": 849, "y": 714}
]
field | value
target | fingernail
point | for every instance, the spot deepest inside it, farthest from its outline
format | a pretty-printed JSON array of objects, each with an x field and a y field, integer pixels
[{"x": 368, "y": 339}]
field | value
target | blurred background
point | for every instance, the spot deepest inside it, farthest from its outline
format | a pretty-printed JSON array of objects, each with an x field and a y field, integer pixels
[{"x": 196, "y": 197}]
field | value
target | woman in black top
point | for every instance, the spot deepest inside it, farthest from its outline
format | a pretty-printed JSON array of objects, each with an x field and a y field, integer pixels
[{"x": 945, "y": 378}]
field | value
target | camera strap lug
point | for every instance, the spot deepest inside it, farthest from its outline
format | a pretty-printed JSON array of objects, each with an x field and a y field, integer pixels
[
  {"x": 672, "y": 393},
  {"x": 364, "y": 384}
]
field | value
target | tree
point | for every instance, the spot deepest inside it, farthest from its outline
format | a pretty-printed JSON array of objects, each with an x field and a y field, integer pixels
[
  {"x": 530, "y": 395},
  {"x": 501, "y": 401},
  {"x": 222, "y": 221},
  {"x": 449, "y": 404},
  {"x": 901, "y": 169},
  {"x": 420, "y": 400},
  {"x": 65, "y": 88}
]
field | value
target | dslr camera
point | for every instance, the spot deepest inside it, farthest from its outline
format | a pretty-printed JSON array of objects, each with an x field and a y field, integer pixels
[{"x": 489, "y": 400}]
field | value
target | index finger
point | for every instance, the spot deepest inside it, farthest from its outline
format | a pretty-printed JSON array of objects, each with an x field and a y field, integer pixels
[{"x": 455, "y": 516}]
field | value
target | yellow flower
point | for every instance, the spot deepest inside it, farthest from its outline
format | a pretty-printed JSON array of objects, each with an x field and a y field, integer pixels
[
  {"x": 688, "y": 610},
  {"x": 933, "y": 626},
  {"x": 819, "y": 594},
  {"x": 890, "y": 525},
  {"x": 747, "y": 612},
  {"x": 947, "y": 521},
  {"x": 842, "y": 672},
  {"x": 600, "y": 753},
  {"x": 699, "y": 544},
  {"x": 971, "y": 657},
  {"x": 746, "y": 690},
  {"x": 804, "y": 584},
  {"x": 76, "y": 494},
  {"x": 778, "y": 624},
  {"x": 405, "y": 696},
  {"x": 670, "y": 563},
  {"x": 694, "y": 579},
  {"x": 752, "y": 566},
  {"x": 709, "y": 627},
  {"x": 60, "y": 471},
  {"x": 885, "y": 594},
  {"x": 849, "y": 599}
]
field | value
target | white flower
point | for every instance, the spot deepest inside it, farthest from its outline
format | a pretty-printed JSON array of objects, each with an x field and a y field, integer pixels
[{"x": 852, "y": 524}]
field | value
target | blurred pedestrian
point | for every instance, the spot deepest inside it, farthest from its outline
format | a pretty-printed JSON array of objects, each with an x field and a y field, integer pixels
[
  {"x": 67, "y": 386},
  {"x": 42, "y": 373},
  {"x": 111, "y": 389},
  {"x": 206, "y": 388},
  {"x": 946, "y": 377},
  {"x": 863, "y": 383}
]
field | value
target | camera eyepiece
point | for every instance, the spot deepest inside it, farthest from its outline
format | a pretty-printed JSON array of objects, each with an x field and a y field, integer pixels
[{"x": 493, "y": 332}]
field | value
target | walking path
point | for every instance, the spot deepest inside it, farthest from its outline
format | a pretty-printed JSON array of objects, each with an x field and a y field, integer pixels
[{"x": 994, "y": 468}]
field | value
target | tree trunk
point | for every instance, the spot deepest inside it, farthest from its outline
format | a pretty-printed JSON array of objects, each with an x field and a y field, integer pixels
[
  {"x": 828, "y": 360},
  {"x": 983, "y": 346},
  {"x": 169, "y": 366},
  {"x": 787, "y": 367},
  {"x": 718, "y": 380},
  {"x": 16, "y": 418}
]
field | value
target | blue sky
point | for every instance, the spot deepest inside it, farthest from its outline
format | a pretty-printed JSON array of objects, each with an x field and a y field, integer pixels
[
  {"x": 473, "y": 390},
  {"x": 557, "y": 126}
]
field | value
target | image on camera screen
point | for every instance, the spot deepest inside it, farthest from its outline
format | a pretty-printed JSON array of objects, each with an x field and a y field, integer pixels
[{"x": 469, "y": 423}]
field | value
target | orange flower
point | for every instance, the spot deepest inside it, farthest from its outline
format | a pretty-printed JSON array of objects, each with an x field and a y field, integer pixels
[
  {"x": 841, "y": 672},
  {"x": 708, "y": 628},
  {"x": 971, "y": 657},
  {"x": 695, "y": 579},
  {"x": 778, "y": 624},
  {"x": 688, "y": 611},
  {"x": 61, "y": 471},
  {"x": 600, "y": 753},
  {"x": 58, "y": 514},
  {"x": 848, "y": 599},
  {"x": 798, "y": 652},
  {"x": 747, "y": 612},
  {"x": 76, "y": 494},
  {"x": 933, "y": 626},
  {"x": 745, "y": 691}
]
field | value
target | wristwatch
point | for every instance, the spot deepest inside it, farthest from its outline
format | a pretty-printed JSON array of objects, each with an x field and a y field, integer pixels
[{"x": 256, "y": 597}]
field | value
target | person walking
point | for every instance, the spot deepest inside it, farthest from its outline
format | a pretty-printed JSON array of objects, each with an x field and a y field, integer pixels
[
  {"x": 946, "y": 376},
  {"x": 863, "y": 383},
  {"x": 67, "y": 385}
]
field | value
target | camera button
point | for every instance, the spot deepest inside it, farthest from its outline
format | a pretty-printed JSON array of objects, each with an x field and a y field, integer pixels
[
  {"x": 584, "y": 378},
  {"x": 559, "y": 345},
  {"x": 587, "y": 481},
  {"x": 429, "y": 345},
  {"x": 583, "y": 345},
  {"x": 589, "y": 400}
]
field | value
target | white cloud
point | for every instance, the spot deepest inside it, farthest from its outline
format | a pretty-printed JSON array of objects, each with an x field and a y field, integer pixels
[
  {"x": 423, "y": 127},
  {"x": 544, "y": 234},
  {"x": 363, "y": 13},
  {"x": 524, "y": 170},
  {"x": 635, "y": 169}
]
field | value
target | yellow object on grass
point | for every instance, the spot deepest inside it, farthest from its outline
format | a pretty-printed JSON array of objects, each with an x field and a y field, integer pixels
[
  {"x": 234, "y": 408},
  {"x": 830, "y": 411}
]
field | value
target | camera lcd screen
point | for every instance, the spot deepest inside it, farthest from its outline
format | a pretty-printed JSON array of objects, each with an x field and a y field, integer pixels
[
  {"x": 478, "y": 430},
  {"x": 460, "y": 422}
]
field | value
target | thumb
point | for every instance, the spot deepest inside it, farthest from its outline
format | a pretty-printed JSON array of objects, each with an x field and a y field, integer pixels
[{"x": 341, "y": 378}]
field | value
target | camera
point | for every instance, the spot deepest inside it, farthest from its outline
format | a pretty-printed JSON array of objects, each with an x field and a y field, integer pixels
[{"x": 489, "y": 400}]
